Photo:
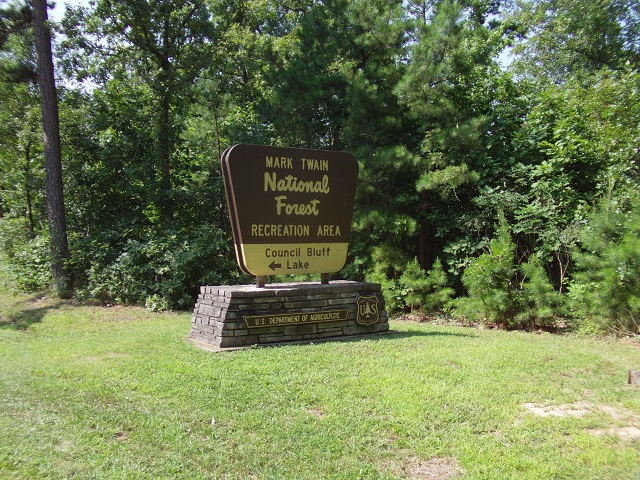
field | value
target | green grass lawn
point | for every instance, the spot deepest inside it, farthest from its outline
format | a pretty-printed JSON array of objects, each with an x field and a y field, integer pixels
[{"x": 90, "y": 392}]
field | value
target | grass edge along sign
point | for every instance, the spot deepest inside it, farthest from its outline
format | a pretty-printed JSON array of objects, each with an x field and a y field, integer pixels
[{"x": 290, "y": 208}]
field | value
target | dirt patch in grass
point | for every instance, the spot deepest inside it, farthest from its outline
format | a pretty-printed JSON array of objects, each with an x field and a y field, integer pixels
[
  {"x": 628, "y": 427},
  {"x": 436, "y": 468},
  {"x": 317, "y": 413},
  {"x": 630, "y": 432},
  {"x": 559, "y": 326},
  {"x": 579, "y": 409}
]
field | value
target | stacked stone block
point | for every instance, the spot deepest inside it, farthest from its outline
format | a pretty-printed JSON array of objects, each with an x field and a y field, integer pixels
[{"x": 219, "y": 315}]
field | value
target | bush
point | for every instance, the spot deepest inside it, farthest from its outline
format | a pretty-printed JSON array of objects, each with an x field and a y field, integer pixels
[
  {"x": 27, "y": 260},
  {"x": 405, "y": 284},
  {"x": 425, "y": 290},
  {"x": 388, "y": 262},
  {"x": 606, "y": 287},
  {"x": 491, "y": 283},
  {"x": 501, "y": 291},
  {"x": 540, "y": 300},
  {"x": 161, "y": 272}
]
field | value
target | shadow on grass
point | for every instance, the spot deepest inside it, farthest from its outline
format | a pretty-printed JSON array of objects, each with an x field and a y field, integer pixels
[
  {"x": 381, "y": 336},
  {"x": 395, "y": 335},
  {"x": 421, "y": 333},
  {"x": 25, "y": 313}
]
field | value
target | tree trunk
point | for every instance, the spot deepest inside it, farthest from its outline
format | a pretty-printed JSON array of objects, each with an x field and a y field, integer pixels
[
  {"x": 166, "y": 200},
  {"x": 52, "y": 152},
  {"x": 27, "y": 189},
  {"x": 422, "y": 234}
]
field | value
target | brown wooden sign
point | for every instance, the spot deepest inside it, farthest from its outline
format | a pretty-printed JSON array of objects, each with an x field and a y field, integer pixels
[{"x": 290, "y": 208}]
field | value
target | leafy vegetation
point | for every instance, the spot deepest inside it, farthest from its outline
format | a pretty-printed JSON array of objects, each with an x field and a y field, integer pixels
[
  {"x": 609, "y": 267},
  {"x": 117, "y": 392},
  {"x": 449, "y": 142}
]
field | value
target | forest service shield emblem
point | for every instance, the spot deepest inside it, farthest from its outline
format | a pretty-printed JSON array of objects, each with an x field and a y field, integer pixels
[{"x": 367, "y": 309}]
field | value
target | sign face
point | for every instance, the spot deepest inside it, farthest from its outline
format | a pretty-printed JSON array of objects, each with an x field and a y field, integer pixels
[
  {"x": 290, "y": 208},
  {"x": 297, "y": 318}
]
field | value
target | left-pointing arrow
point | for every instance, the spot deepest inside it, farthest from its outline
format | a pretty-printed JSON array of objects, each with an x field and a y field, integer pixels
[{"x": 275, "y": 265}]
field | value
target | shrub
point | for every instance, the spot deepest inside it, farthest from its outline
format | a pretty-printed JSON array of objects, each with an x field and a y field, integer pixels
[
  {"x": 606, "y": 287},
  {"x": 388, "y": 263},
  {"x": 163, "y": 271},
  {"x": 425, "y": 290},
  {"x": 540, "y": 300},
  {"x": 491, "y": 283},
  {"x": 27, "y": 260},
  {"x": 501, "y": 291}
]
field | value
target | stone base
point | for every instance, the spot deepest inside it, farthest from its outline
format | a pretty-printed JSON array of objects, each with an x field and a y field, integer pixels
[{"x": 241, "y": 315}]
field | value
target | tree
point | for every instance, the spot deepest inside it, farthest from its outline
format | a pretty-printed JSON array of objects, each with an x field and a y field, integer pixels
[
  {"x": 562, "y": 38},
  {"x": 164, "y": 44},
  {"x": 453, "y": 89},
  {"x": 578, "y": 144},
  {"x": 425, "y": 290},
  {"x": 14, "y": 19},
  {"x": 52, "y": 150}
]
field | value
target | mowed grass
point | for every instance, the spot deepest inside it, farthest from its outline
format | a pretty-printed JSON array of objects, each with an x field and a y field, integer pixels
[{"x": 104, "y": 393}]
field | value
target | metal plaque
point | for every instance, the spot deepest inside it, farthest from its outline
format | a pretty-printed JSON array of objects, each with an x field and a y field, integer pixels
[
  {"x": 368, "y": 312},
  {"x": 295, "y": 318}
]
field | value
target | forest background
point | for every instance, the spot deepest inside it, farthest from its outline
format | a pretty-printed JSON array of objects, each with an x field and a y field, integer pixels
[{"x": 502, "y": 194}]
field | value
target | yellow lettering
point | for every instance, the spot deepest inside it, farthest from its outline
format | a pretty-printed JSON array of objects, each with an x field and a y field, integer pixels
[
  {"x": 269, "y": 181},
  {"x": 314, "y": 164},
  {"x": 328, "y": 230},
  {"x": 279, "y": 162},
  {"x": 269, "y": 230},
  {"x": 310, "y": 208},
  {"x": 292, "y": 184}
]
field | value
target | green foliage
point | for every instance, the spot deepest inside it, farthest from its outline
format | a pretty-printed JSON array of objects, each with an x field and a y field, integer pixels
[
  {"x": 161, "y": 271},
  {"x": 491, "y": 282},
  {"x": 502, "y": 291},
  {"x": 26, "y": 259},
  {"x": 425, "y": 290},
  {"x": 22, "y": 181},
  {"x": 445, "y": 138},
  {"x": 576, "y": 144},
  {"x": 560, "y": 39},
  {"x": 405, "y": 284},
  {"x": 388, "y": 261},
  {"x": 541, "y": 301},
  {"x": 606, "y": 286}
]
